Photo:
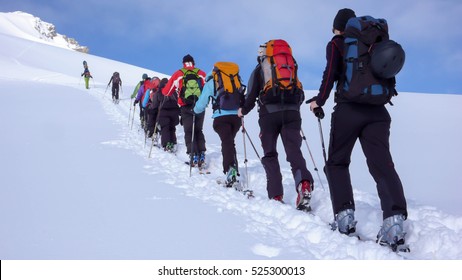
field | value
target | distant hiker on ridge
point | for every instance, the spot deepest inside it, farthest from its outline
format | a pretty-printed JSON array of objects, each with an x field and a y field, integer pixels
[{"x": 86, "y": 74}]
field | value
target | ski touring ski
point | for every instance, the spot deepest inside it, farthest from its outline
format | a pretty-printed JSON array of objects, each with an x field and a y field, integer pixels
[
  {"x": 238, "y": 187},
  {"x": 202, "y": 169}
]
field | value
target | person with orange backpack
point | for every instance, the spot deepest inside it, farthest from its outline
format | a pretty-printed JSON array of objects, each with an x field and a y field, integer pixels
[
  {"x": 188, "y": 82},
  {"x": 275, "y": 86}
]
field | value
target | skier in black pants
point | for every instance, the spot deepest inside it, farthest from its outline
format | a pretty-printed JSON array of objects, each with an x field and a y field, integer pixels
[
  {"x": 371, "y": 125},
  {"x": 169, "y": 112},
  {"x": 116, "y": 82},
  {"x": 279, "y": 120}
]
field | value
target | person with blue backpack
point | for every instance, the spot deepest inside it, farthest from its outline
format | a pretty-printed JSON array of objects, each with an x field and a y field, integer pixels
[{"x": 360, "y": 118}]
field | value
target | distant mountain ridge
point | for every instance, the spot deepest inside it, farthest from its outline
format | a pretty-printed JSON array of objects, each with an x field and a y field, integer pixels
[{"x": 25, "y": 25}]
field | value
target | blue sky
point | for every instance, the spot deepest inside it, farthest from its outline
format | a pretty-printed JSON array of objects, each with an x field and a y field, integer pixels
[{"x": 157, "y": 34}]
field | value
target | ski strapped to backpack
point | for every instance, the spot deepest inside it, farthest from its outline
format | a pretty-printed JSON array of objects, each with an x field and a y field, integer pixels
[
  {"x": 372, "y": 61},
  {"x": 280, "y": 74},
  {"x": 192, "y": 86},
  {"x": 228, "y": 87}
]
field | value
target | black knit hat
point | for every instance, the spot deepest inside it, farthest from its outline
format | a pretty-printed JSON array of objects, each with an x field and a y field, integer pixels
[
  {"x": 188, "y": 58},
  {"x": 342, "y": 17}
]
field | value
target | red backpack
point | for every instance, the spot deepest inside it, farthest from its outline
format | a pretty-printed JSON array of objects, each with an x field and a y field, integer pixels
[{"x": 280, "y": 74}]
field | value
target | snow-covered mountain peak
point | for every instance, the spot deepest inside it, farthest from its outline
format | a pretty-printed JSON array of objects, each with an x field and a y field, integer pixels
[{"x": 27, "y": 26}]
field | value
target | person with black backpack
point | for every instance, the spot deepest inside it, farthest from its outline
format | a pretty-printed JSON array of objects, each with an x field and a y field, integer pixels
[
  {"x": 225, "y": 89},
  {"x": 279, "y": 95},
  {"x": 116, "y": 82},
  {"x": 354, "y": 119},
  {"x": 187, "y": 82}
]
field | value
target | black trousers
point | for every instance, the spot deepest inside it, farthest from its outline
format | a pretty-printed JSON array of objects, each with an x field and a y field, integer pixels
[
  {"x": 115, "y": 92},
  {"x": 168, "y": 120},
  {"x": 187, "y": 119},
  {"x": 371, "y": 125},
  {"x": 287, "y": 124},
  {"x": 227, "y": 127}
]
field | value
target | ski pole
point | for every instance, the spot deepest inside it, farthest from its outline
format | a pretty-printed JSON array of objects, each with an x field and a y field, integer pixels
[
  {"x": 192, "y": 144},
  {"x": 250, "y": 140},
  {"x": 312, "y": 159},
  {"x": 245, "y": 155},
  {"x": 130, "y": 113},
  {"x": 133, "y": 117},
  {"x": 322, "y": 141},
  {"x": 155, "y": 125}
]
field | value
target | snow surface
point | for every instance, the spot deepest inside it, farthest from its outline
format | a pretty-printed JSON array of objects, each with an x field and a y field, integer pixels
[{"x": 76, "y": 181}]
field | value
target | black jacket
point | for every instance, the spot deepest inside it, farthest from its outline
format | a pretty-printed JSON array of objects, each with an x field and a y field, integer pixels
[{"x": 333, "y": 70}]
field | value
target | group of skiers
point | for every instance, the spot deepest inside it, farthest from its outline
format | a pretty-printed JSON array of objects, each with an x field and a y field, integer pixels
[{"x": 183, "y": 98}]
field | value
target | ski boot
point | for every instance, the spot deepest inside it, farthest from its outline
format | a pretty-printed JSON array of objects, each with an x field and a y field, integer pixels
[
  {"x": 201, "y": 160},
  {"x": 304, "y": 196},
  {"x": 231, "y": 177},
  {"x": 169, "y": 147},
  {"x": 194, "y": 160},
  {"x": 345, "y": 222},
  {"x": 392, "y": 234}
]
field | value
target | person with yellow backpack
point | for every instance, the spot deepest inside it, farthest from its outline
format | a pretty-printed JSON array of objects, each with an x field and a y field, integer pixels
[{"x": 224, "y": 87}]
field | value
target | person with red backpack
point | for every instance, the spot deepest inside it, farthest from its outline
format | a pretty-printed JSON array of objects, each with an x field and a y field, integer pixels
[
  {"x": 279, "y": 99},
  {"x": 370, "y": 123},
  {"x": 187, "y": 83},
  {"x": 149, "y": 111}
]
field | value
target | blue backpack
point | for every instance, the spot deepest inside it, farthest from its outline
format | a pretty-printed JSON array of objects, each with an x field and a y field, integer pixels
[{"x": 371, "y": 62}]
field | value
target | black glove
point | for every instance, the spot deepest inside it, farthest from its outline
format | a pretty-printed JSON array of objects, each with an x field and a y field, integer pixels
[
  {"x": 318, "y": 112},
  {"x": 136, "y": 102}
]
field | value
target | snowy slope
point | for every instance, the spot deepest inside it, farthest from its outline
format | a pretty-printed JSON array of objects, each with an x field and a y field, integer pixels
[{"x": 76, "y": 182}]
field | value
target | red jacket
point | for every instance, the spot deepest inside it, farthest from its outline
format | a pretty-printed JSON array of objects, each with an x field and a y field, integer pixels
[{"x": 175, "y": 83}]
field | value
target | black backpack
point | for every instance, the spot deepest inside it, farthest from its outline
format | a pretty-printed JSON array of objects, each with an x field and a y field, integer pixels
[
  {"x": 116, "y": 78},
  {"x": 371, "y": 62}
]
